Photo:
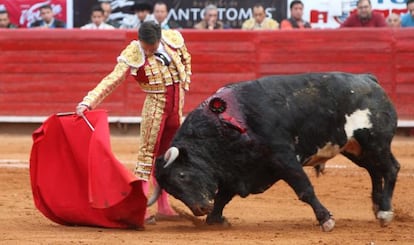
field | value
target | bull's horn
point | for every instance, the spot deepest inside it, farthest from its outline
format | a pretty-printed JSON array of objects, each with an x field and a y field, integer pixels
[
  {"x": 171, "y": 155},
  {"x": 154, "y": 196}
]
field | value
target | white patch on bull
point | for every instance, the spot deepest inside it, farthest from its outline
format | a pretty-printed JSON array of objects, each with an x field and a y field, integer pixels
[{"x": 359, "y": 119}]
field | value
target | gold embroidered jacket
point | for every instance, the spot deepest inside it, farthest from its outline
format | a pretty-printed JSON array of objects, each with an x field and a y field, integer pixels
[{"x": 151, "y": 75}]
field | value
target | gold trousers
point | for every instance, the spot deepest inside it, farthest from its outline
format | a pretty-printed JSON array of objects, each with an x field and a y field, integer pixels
[{"x": 161, "y": 117}]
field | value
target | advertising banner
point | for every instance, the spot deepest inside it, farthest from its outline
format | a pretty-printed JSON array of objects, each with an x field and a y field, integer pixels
[
  {"x": 232, "y": 13},
  {"x": 188, "y": 12},
  {"x": 331, "y": 13},
  {"x": 320, "y": 13},
  {"x": 24, "y": 12}
]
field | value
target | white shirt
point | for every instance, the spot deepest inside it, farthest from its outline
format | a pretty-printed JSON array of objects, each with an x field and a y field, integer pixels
[
  {"x": 102, "y": 26},
  {"x": 132, "y": 21},
  {"x": 161, "y": 50}
]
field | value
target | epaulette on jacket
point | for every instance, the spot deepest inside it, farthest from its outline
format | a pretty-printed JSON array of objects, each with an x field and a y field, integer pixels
[
  {"x": 132, "y": 55},
  {"x": 173, "y": 38}
]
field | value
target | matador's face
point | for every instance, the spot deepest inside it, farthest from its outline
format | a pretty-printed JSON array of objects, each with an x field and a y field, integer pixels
[{"x": 149, "y": 49}]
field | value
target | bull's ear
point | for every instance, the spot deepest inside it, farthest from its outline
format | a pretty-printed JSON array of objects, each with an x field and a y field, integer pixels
[
  {"x": 184, "y": 155},
  {"x": 183, "y": 152}
]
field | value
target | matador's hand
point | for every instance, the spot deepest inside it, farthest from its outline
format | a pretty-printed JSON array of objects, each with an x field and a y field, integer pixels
[{"x": 80, "y": 109}]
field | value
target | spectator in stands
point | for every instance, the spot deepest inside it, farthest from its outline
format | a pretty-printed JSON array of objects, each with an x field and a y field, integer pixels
[
  {"x": 161, "y": 14},
  {"x": 259, "y": 20},
  {"x": 161, "y": 64},
  {"x": 407, "y": 20},
  {"x": 210, "y": 21},
  {"x": 143, "y": 10},
  {"x": 47, "y": 19},
  {"x": 107, "y": 8},
  {"x": 393, "y": 20},
  {"x": 365, "y": 17},
  {"x": 296, "y": 20},
  {"x": 97, "y": 20},
  {"x": 5, "y": 20}
]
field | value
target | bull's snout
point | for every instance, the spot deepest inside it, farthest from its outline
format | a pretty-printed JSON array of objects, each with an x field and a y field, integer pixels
[{"x": 199, "y": 210}]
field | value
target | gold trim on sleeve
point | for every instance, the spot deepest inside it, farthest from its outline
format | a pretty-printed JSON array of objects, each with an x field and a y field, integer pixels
[{"x": 106, "y": 86}]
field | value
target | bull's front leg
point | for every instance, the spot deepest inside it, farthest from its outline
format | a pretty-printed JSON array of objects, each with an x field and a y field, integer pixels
[
  {"x": 296, "y": 177},
  {"x": 216, "y": 216}
]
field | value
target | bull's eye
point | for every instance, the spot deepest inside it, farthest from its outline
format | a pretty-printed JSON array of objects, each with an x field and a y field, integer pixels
[{"x": 181, "y": 175}]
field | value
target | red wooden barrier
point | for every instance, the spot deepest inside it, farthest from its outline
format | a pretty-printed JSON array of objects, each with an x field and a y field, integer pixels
[{"x": 47, "y": 71}]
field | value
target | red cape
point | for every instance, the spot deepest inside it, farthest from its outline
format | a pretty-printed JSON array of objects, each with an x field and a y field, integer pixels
[{"x": 75, "y": 178}]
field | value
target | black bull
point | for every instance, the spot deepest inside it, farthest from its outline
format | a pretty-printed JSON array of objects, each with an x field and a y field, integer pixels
[{"x": 249, "y": 135}]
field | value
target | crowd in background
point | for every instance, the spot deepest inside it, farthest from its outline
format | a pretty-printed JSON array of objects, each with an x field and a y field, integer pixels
[{"x": 363, "y": 16}]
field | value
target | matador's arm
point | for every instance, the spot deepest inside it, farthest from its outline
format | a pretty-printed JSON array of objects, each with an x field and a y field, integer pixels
[{"x": 131, "y": 57}]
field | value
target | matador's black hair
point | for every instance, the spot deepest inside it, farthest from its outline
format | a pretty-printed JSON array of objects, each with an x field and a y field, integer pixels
[{"x": 149, "y": 32}]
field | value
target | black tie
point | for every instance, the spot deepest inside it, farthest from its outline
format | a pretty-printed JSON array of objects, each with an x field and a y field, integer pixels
[{"x": 161, "y": 58}]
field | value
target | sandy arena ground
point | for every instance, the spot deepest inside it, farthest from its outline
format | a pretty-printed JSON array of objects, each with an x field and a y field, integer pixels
[{"x": 275, "y": 217}]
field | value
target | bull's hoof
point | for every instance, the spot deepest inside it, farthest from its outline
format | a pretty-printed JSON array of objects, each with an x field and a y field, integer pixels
[
  {"x": 328, "y": 225},
  {"x": 221, "y": 221},
  {"x": 375, "y": 209},
  {"x": 385, "y": 217},
  {"x": 224, "y": 224}
]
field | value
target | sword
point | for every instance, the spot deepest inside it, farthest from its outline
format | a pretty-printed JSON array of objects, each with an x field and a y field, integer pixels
[
  {"x": 87, "y": 122},
  {"x": 83, "y": 117},
  {"x": 60, "y": 114}
]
